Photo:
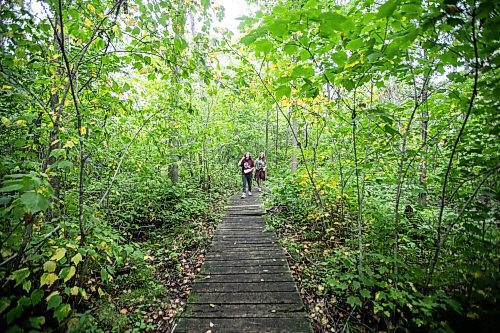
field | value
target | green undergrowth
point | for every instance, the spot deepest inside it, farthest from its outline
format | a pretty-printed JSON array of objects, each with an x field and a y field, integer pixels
[
  {"x": 146, "y": 295},
  {"x": 342, "y": 294}
]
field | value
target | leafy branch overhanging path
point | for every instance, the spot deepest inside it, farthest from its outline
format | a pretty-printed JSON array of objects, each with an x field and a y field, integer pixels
[{"x": 245, "y": 284}]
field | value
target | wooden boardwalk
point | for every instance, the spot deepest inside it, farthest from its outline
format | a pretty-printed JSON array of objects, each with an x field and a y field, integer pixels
[{"x": 245, "y": 284}]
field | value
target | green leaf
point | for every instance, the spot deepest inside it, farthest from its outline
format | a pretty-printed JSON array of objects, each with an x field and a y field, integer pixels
[
  {"x": 355, "y": 44},
  {"x": 387, "y": 9},
  {"x": 278, "y": 28},
  {"x": 365, "y": 293},
  {"x": 354, "y": 301},
  {"x": 303, "y": 72},
  {"x": 27, "y": 286},
  {"x": 49, "y": 266},
  {"x": 14, "y": 313},
  {"x": 36, "y": 296},
  {"x": 14, "y": 187},
  {"x": 263, "y": 46},
  {"x": 62, "y": 312},
  {"x": 390, "y": 130},
  {"x": 248, "y": 39},
  {"x": 374, "y": 56},
  {"x": 332, "y": 21},
  {"x": 67, "y": 273},
  {"x": 4, "y": 303},
  {"x": 19, "y": 276},
  {"x": 53, "y": 300},
  {"x": 283, "y": 91},
  {"x": 35, "y": 202},
  {"x": 37, "y": 322}
]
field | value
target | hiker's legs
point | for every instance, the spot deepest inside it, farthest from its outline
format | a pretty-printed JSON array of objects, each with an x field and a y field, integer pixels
[
  {"x": 244, "y": 181},
  {"x": 249, "y": 180}
]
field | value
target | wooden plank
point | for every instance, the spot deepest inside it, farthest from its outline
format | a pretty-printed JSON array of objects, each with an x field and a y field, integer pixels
[
  {"x": 234, "y": 250},
  {"x": 268, "y": 325},
  {"x": 267, "y": 297},
  {"x": 227, "y": 241},
  {"x": 247, "y": 311},
  {"x": 215, "y": 269},
  {"x": 245, "y": 262},
  {"x": 244, "y": 256},
  {"x": 261, "y": 286},
  {"x": 243, "y": 278}
]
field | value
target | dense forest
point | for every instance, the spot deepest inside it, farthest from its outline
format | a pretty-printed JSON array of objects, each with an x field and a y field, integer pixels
[{"x": 122, "y": 123}]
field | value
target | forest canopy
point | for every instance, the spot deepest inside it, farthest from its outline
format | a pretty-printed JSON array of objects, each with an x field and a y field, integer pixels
[{"x": 122, "y": 123}]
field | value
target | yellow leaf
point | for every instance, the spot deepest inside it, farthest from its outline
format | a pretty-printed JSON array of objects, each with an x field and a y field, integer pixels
[
  {"x": 100, "y": 291},
  {"x": 76, "y": 259},
  {"x": 87, "y": 22},
  {"x": 83, "y": 130},
  {"x": 377, "y": 295},
  {"x": 53, "y": 90},
  {"x": 60, "y": 252},
  {"x": 49, "y": 266},
  {"x": 5, "y": 86},
  {"x": 21, "y": 122},
  {"x": 212, "y": 305},
  {"x": 69, "y": 144},
  {"x": 71, "y": 273},
  {"x": 91, "y": 8},
  {"x": 71, "y": 246},
  {"x": 48, "y": 279},
  {"x": 74, "y": 291},
  {"x": 6, "y": 121}
]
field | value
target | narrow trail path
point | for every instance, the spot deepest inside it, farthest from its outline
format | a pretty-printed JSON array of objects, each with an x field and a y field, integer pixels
[{"x": 245, "y": 284}]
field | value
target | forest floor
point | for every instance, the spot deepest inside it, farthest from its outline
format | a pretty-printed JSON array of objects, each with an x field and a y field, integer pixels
[{"x": 147, "y": 296}]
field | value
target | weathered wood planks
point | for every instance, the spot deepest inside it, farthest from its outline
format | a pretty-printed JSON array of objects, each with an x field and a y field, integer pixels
[{"x": 245, "y": 284}]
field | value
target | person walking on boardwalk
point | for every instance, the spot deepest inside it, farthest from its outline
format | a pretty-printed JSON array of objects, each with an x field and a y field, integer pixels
[
  {"x": 247, "y": 168},
  {"x": 260, "y": 170}
]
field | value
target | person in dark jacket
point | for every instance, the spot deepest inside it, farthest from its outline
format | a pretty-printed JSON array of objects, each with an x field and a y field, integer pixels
[{"x": 247, "y": 168}]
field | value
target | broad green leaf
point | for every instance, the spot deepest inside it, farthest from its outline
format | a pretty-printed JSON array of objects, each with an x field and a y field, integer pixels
[
  {"x": 283, "y": 91},
  {"x": 355, "y": 44},
  {"x": 19, "y": 276},
  {"x": 27, "y": 286},
  {"x": 37, "y": 322},
  {"x": 387, "y": 9},
  {"x": 263, "y": 46},
  {"x": 248, "y": 39},
  {"x": 53, "y": 300},
  {"x": 35, "y": 202},
  {"x": 303, "y": 72},
  {"x": 67, "y": 273},
  {"x": 354, "y": 301},
  {"x": 374, "y": 56},
  {"x": 36, "y": 296},
  {"x": 49, "y": 266},
  {"x": 60, "y": 252},
  {"x": 14, "y": 187},
  {"x": 278, "y": 28},
  {"x": 62, "y": 312},
  {"x": 365, "y": 293},
  {"x": 4, "y": 303},
  {"x": 391, "y": 130},
  {"x": 48, "y": 279}
]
